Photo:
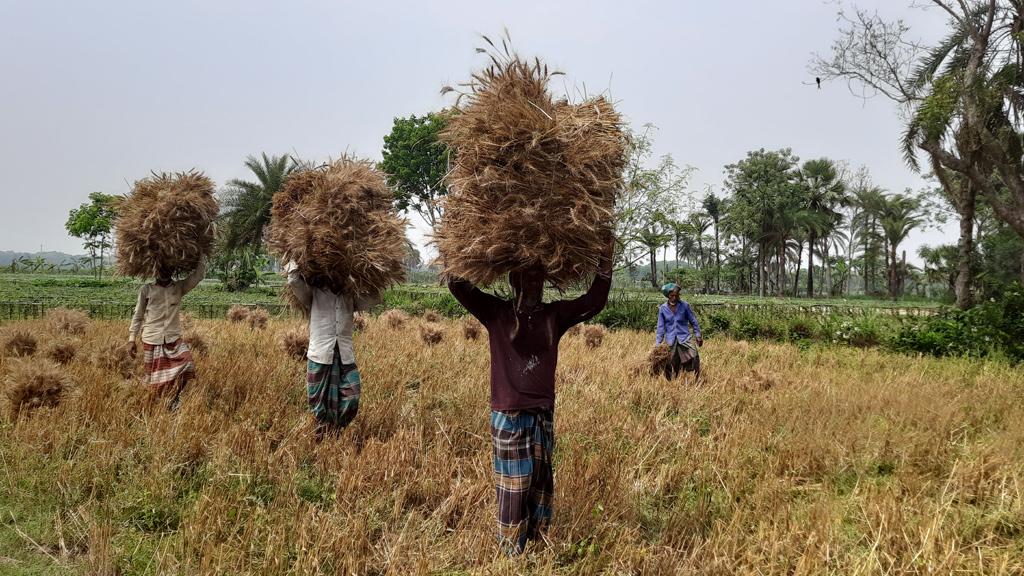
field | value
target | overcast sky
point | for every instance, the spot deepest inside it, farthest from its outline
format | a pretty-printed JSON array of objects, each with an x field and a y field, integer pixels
[{"x": 94, "y": 95}]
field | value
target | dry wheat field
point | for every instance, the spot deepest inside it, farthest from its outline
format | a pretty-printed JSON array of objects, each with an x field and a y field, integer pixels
[{"x": 785, "y": 461}]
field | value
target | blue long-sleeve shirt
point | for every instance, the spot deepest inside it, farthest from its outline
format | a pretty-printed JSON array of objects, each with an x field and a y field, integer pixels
[{"x": 675, "y": 327}]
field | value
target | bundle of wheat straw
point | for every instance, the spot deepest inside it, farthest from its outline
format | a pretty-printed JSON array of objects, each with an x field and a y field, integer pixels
[
  {"x": 338, "y": 224},
  {"x": 33, "y": 384},
  {"x": 166, "y": 224},
  {"x": 534, "y": 180},
  {"x": 658, "y": 359}
]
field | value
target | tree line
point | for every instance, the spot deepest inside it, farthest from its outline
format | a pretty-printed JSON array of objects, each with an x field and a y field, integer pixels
[{"x": 961, "y": 99}]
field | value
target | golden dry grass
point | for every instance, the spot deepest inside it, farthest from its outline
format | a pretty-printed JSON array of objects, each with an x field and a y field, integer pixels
[{"x": 825, "y": 461}]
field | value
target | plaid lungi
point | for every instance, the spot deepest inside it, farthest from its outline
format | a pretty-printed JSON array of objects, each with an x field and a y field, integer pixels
[
  {"x": 169, "y": 366},
  {"x": 333, "y": 391},
  {"x": 685, "y": 356},
  {"x": 523, "y": 443}
]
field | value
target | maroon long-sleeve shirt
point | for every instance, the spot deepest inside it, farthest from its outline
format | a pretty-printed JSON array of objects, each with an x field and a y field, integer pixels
[{"x": 524, "y": 347}]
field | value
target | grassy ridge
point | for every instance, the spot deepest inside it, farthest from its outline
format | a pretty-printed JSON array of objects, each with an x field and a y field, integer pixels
[{"x": 827, "y": 460}]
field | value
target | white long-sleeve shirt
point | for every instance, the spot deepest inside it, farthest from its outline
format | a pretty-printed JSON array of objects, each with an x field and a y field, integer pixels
[
  {"x": 156, "y": 312},
  {"x": 330, "y": 318}
]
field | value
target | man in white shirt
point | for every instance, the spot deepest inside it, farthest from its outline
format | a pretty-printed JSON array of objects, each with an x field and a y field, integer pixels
[
  {"x": 157, "y": 319},
  {"x": 332, "y": 380}
]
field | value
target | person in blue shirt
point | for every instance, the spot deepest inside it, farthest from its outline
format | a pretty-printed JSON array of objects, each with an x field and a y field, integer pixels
[{"x": 675, "y": 318}]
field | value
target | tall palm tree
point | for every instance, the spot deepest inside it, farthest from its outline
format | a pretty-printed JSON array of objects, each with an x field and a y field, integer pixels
[
  {"x": 247, "y": 204},
  {"x": 899, "y": 215},
  {"x": 823, "y": 193},
  {"x": 714, "y": 206},
  {"x": 696, "y": 226},
  {"x": 867, "y": 204}
]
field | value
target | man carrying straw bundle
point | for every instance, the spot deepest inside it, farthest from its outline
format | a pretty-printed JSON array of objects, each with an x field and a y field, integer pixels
[
  {"x": 524, "y": 334},
  {"x": 332, "y": 379},
  {"x": 532, "y": 197},
  {"x": 166, "y": 356},
  {"x": 675, "y": 318},
  {"x": 336, "y": 228},
  {"x": 165, "y": 228}
]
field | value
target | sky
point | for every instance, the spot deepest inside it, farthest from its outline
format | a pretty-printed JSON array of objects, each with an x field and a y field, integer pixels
[{"x": 95, "y": 95}]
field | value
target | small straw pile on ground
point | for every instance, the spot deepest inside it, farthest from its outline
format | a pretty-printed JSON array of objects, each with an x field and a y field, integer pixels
[
  {"x": 295, "y": 342},
  {"x": 238, "y": 313},
  {"x": 196, "y": 341},
  {"x": 471, "y": 328},
  {"x": 593, "y": 335},
  {"x": 431, "y": 316},
  {"x": 658, "y": 359},
  {"x": 67, "y": 321},
  {"x": 34, "y": 383},
  {"x": 338, "y": 224},
  {"x": 20, "y": 343},
  {"x": 166, "y": 223},
  {"x": 258, "y": 319},
  {"x": 114, "y": 357},
  {"x": 394, "y": 318},
  {"x": 534, "y": 180},
  {"x": 431, "y": 333},
  {"x": 61, "y": 351}
]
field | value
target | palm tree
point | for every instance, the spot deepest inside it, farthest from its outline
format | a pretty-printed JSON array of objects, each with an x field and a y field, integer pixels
[
  {"x": 714, "y": 206},
  {"x": 247, "y": 204},
  {"x": 653, "y": 236},
  {"x": 867, "y": 204},
  {"x": 696, "y": 226},
  {"x": 899, "y": 215},
  {"x": 823, "y": 192}
]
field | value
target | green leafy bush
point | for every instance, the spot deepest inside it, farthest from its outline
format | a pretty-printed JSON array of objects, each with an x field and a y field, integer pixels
[{"x": 993, "y": 327}]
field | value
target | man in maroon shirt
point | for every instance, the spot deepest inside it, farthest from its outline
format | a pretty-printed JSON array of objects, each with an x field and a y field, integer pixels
[{"x": 524, "y": 336}]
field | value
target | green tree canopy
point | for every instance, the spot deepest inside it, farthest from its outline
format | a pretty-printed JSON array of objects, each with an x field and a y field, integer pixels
[
  {"x": 415, "y": 162},
  {"x": 765, "y": 196},
  {"x": 93, "y": 222}
]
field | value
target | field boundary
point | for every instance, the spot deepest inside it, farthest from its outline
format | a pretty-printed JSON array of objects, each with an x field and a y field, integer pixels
[{"x": 27, "y": 309}]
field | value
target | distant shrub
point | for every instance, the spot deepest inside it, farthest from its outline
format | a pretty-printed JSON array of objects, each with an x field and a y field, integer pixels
[{"x": 996, "y": 326}]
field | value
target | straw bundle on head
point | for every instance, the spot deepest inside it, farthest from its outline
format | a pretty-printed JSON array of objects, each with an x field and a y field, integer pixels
[
  {"x": 593, "y": 335},
  {"x": 295, "y": 342},
  {"x": 394, "y": 318},
  {"x": 359, "y": 321},
  {"x": 20, "y": 343},
  {"x": 471, "y": 328},
  {"x": 196, "y": 341},
  {"x": 67, "y": 321},
  {"x": 431, "y": 333},
  {"x": 658, "y": 359},
  {"x": 166, "y": 225},
  {"x": 534, "y": 180},
  {"x": 34, "y": 383},
  {"x": 61, "y": 351},
  {"x": 258, "y": 319},
  {"x": 431, "y": 316},
  {"x": 114, "y": 356},
  {"x": 238, "y": 313},
  {"x": 338, "y": 224}
]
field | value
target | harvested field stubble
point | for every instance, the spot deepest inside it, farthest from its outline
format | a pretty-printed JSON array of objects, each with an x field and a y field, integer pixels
[
  {"x": 67, "y": 321},
  {"x": 827, "y": 460}
]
